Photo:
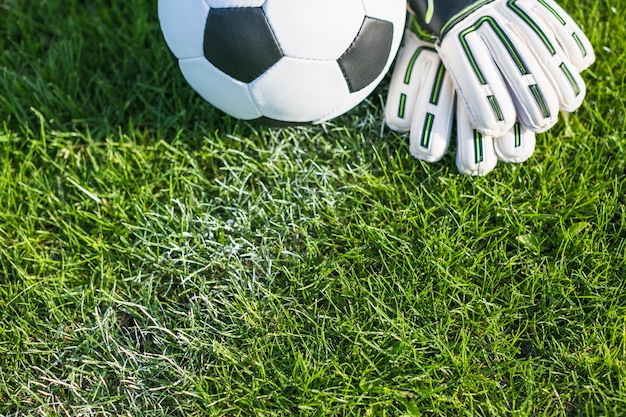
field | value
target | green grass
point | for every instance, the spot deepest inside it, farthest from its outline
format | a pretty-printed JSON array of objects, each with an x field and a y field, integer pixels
[{"x": 160, "y": 259}]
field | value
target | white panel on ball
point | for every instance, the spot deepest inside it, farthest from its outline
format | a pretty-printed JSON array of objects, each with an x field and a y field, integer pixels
[
  {"x": 225, "y": 93},
  {"x": 235, "y": 3},
  {"x": 390, "y": 10},
  {"x": 297, "y": 90},
  {"x": 182, "y": 23},
  {"x": 315, "y": 29}
]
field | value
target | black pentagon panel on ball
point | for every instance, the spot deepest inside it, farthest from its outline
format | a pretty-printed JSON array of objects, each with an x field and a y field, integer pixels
[
  {"x": 240, "y": 42},
  {"x": 366, "y": 58}
]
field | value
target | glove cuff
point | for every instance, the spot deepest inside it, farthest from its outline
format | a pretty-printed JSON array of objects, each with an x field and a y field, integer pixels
[{"x": 436, "y": 17}]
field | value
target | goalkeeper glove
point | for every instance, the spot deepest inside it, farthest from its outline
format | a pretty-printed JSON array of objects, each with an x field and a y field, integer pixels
[
  {"x": 422, "y": 99},
  {"x": 509, "y": 59}
]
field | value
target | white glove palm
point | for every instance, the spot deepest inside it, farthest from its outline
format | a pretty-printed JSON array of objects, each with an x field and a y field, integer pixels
[
  {"x": 509, "y": 59},
  {"x": 422, "y": 99}
]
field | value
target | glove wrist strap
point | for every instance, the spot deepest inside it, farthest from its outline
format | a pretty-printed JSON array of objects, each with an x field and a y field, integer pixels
[{"x": 438, "y": 16}]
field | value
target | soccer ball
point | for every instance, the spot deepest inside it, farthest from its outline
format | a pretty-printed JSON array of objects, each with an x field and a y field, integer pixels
[{"x": 292, "y": 61}]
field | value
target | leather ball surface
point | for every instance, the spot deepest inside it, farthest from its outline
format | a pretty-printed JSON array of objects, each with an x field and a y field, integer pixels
[{"x": 290, "y": 61}]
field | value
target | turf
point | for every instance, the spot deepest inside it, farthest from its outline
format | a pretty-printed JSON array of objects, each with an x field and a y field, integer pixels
[{"x": 158, "y": 258}]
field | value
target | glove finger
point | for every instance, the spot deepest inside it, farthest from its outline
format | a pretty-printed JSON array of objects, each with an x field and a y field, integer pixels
[
  {"x": 543, "y": 29},
  {"x": 414, "y": 61},
  {"x": 535, "y": 97},
  {"x": 433, "y": 116},
  {"x": 479, "y": 83},
  {"x": 516, "y": 146},
  {"x": 475, "y": 152},
  {"x": 570, "y": 37},
  {"x": 489, "y": 49}
]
